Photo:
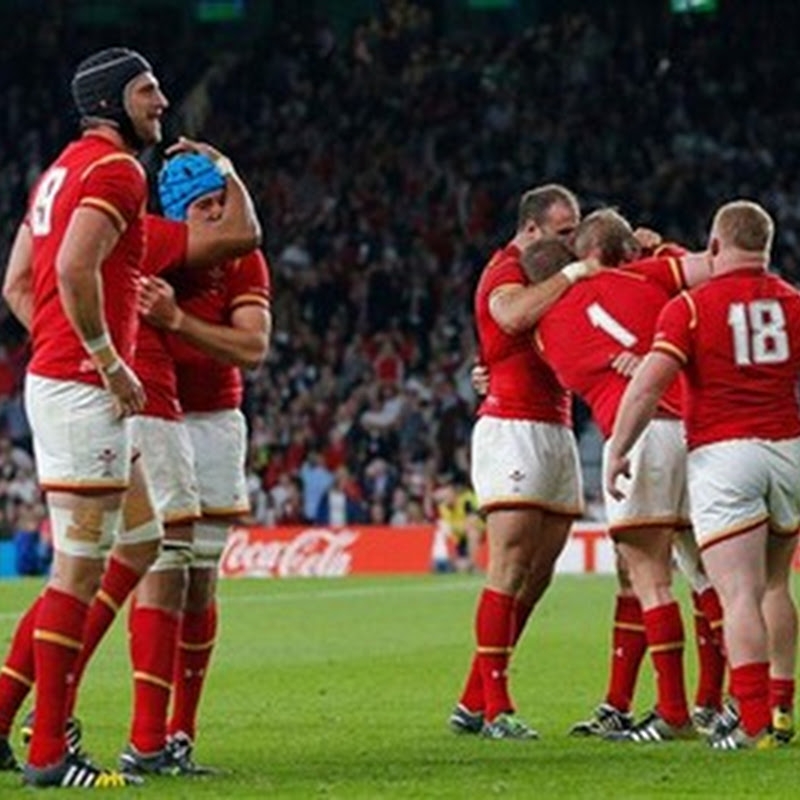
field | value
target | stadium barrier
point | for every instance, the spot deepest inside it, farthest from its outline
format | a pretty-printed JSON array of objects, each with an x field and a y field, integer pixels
[{"x": 283, "y": 552}]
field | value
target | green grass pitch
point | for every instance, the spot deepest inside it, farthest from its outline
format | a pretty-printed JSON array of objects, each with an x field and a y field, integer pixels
[{"x": 341, "y": 689}]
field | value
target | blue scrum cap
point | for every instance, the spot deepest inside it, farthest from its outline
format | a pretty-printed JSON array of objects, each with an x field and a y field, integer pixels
[{"x": 183, "y": 179}]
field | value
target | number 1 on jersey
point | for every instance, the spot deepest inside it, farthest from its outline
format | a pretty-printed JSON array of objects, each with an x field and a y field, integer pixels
[
  {"x": 759, "y": 332},
  {"x": 600, "y": 318}
]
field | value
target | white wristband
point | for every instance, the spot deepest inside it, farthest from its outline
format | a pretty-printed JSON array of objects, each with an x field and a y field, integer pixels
[
  {"x": 575, "y": 271},
  {"x": 224, "y": 166},
  {"x": 99, "y": 343},
  {"x": 114, "y": 367}
]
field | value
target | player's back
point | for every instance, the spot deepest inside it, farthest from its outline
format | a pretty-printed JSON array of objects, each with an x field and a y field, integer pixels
[
  {"x": 91, "y": 172},
  {"x": 521, "y": 384},
  {"x": 595, "y": 321},
  {"x": 745, "y": 358}
]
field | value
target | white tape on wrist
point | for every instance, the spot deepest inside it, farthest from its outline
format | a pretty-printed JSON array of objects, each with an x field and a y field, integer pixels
[
  {"x": 575, "y": 271},
  {"x": 99, "y": 343},
  {"x": 224, "y": 166}
]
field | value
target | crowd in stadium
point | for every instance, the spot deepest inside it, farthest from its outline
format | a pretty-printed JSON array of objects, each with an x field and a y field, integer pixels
[{"x": 385, "y": 166}]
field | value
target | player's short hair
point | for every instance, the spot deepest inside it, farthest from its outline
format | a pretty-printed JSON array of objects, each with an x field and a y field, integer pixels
[
  {"x": 544, "y": 258},
  {"x": 185, "y": 178},
  {"x": 608, "y": 233},
  {"x": 745, "y": 225},
  {"x": 535, "y": 203}
]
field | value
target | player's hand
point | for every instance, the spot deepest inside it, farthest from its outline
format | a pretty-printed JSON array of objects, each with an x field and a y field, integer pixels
[
  {"x": 647, "y": 238},
  {"x": 157, "y": 303},
  {"x": 617, "y": 466},
  {"x": 479, "y": 378},
  {"x": 127, "y": 389},
  {"x": 186, "y": 145},
  {"x": 593, "y": 266},
  {"x": 625, "y": 363}
]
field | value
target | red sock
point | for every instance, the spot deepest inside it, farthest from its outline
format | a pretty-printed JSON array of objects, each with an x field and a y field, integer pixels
[
  {"x": 119, "y": 580},
  {"x": 664, "y": 630},
  {"x": 781, "y": 693},
  {"x": 17, "y": 674},
  {"x": 710, "y": 658},
  {"x": 708, "y": 603},
  {"x": 629, "y": 645},
  {"x": 472, "y": 696},
  {"x": 57, "y": 641},
  {"x": 494, "y": 629},
  {"x": 750, "y": 687},
  {"x": 153, "y": 642},
  {"x": 195, "y": 643}
]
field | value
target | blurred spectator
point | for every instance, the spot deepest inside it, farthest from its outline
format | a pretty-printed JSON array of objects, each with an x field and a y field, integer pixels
[{"x": 341, "y": 504}]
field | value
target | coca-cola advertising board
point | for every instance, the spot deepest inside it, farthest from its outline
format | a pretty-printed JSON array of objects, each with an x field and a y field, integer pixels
[
  {"x": 288, "y": 552},
  {"x": 318, "y": 552}
]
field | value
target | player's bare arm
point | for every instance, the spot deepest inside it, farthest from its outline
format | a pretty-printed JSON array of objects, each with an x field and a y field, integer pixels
[
  {"x": 516, "y": 308},
  {"x": 638, "y": 407},
  {"x": 89, "y": 239},
  {"x": 237, "y": 231},
  {"x": 18, "y": 282},
  {"x": 244, "y": 343}
]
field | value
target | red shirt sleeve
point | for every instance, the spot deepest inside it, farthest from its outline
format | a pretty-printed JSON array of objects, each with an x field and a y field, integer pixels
[
  {"x": 667, "y": 272},
  {"x": 675, "y": 328},
  {"x": 503, "y": 269},
  {"x": 167, "y": 243},
  {"x": 117, "y": 186},
  {"x": 249, "y": 282}
]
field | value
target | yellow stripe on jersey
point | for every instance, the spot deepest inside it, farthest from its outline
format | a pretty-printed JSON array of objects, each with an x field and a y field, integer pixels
[
  {"x": 250, "y": 300},
  {"x": 670, "y": 349},
  {"x": 110, "y": 158},
  {"x": 692, "y": 309},
  {"x": 677, "y": 272},
  {"x": 105, "y": 206}
]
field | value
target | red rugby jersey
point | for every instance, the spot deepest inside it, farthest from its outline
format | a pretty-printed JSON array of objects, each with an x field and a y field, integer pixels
[
  {"x": 738, "y": 337},
  {"x": 166, "y": 249},
  {"x": 91, "y": 172},
  {"x": 521, "y": 385},
  {"x": 592, "y": 323},
  {"x": 205, "y": 384}
]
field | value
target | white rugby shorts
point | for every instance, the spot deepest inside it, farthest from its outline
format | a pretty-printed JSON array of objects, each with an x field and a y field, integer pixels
[
  {"x": 219, "y": 440},
  {"x": 737, "y": 485},
  {"x": 656, "y": 494},
  {"x": 166, "y": 448},
  {"x": 78, "y": 442},
  {"x": 522, "y": 464}
]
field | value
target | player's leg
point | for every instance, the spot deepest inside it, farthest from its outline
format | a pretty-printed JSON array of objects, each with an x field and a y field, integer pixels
[
  {"x": 780, "y": 616},
  {"x": 155, "y": 611},
  {"x": 81, "y": 524},
  {"x": 647, "y": 552},
  {"x": 197, "y": 634},
  {"x": 135, "y": 549},
  {"x": 16, "y": 680},
  {"x": 628, "y": 647},
  {"x": 708, "y": 633},
  {"x": 153, "y": 637},
  {"x": 737, "y": 567}
]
